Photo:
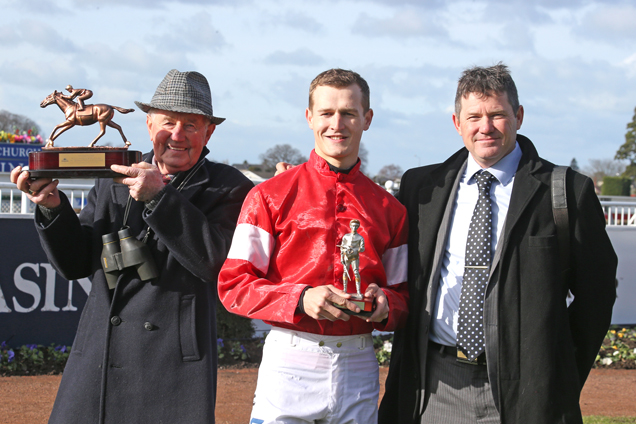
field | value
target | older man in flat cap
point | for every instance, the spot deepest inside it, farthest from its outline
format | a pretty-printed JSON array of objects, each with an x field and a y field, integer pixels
[{"x": 145, "y": 350}]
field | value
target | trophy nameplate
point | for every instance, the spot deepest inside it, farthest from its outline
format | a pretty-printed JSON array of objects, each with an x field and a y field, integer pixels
[
  {"x": 81, "y": 162},
  {"x": 351, "y": 246}
]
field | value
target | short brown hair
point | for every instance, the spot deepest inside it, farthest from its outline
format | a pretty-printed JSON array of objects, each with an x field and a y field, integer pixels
[
  {"x": 340, "y": 78},
  {"x": 485, "y": 82}
]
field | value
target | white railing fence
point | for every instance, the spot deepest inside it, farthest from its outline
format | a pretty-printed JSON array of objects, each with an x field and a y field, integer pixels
[
  {"x": 618, "y": 212},
  {"x": 13, "y": 201}
]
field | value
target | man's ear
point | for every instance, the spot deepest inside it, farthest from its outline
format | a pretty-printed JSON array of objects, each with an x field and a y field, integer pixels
[
  {"x": 368, "y": 117},
  {"x": 519, "y": 116},
  {"x": 309, "y": 117},
  {"x": 149, "y": 123},
  {"x": 456, "y": 123},
  {"x": 209, "y": 132}
]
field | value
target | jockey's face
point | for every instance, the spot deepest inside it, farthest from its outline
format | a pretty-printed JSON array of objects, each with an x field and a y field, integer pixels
[{"x": 177, "y": 138}]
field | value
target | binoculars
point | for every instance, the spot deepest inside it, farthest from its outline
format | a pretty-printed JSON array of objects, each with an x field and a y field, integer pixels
[{"x": 121, "y": 251}]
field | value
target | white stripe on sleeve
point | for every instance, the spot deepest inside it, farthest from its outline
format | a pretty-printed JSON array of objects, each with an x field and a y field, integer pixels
[
  {"x": 395, "y": 264},
  {"x": 252, "y": 244}
]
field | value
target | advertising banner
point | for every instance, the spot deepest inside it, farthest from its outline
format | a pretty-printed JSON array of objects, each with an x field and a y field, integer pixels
[
  {"x": 624, "y": 241},
  {"x": 16, "y": 154},
  {"x": 37, "y": 306}
]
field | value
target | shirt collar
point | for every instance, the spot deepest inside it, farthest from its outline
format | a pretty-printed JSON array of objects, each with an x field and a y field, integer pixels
[
  {"x": 503, "y": 171},
  {"x": 323, "y": 167}
]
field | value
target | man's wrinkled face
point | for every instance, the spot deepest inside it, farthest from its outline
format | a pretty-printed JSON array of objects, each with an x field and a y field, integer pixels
[
  {"x": 488, "y": 126},
  {"x": 338, "y": 120},
  {"x": 177, "y": 138}
]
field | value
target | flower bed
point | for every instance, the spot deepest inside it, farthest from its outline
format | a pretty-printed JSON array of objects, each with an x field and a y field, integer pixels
[
  {"x": 243, "y": 353},
  {"x": 618, "y": 352},
  {"x": 32, "y": 360},
  {"x": 20, "y": 137}
]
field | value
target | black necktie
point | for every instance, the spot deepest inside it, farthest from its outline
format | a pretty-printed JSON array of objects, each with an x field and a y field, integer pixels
[{"x": 470, "y": 331}]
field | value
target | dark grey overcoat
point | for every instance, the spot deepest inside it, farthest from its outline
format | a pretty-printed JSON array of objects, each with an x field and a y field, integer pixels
[
  {"x": 538, "y": 351},
  {"x": 149, "y": 355}
]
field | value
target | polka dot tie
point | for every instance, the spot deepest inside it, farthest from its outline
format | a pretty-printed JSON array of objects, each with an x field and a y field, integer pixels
[{"x": 470, "y": 328}]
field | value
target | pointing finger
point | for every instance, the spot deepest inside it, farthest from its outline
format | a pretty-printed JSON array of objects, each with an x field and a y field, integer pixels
[
  {"x": 125, "y": 170},
  {"x": 143, "y": 165}
]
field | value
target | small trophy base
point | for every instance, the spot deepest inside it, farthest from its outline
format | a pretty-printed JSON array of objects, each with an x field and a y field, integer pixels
[
  {"x": 366, "y": 306},
  {"x": 80, "y": 162}
]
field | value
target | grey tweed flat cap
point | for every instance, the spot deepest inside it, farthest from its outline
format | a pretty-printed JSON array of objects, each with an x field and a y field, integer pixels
[{"x": 186, "y": 92}]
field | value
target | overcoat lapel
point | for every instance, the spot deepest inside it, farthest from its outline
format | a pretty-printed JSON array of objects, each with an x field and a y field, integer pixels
[
  {"x": 435, "y": 210},
  {"x": 119, "y": 195},
  {"x": 433, "y": 199},
  {"x": 197, "y": 183},
  {"x": 444, "y": 202},
  {"x": 524, "y": 189}
]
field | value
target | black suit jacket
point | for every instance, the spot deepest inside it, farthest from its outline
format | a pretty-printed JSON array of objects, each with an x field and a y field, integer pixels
[{"x": 539, "y": 351}]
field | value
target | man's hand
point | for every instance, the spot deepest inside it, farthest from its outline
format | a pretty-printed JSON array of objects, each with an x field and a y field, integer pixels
[
  {"x": 143, "y": 180},
  {"x": 318, "y": 303},
  {"x": 381, "y": 303},
  {"x": 282, "y": 167},
  {"x": 41, "y": 191}
]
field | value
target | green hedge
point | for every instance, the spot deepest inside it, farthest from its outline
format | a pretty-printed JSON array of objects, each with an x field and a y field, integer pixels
[
  {"x": 230, "y": 326},
  {"x": 616, "y": 186}
]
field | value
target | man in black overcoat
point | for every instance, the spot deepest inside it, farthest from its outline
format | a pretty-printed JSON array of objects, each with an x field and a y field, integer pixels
[
  {"x": 145, "y": 351},
  {"x": 537, "y": 342}
]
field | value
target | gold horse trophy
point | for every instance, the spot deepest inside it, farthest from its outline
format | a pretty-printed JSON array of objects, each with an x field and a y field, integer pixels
[{"x": 81, "y": 162}]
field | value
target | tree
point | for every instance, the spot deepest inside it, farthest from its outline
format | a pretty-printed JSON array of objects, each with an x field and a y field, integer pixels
[
  {"x": 388, "y": 172},
  {"x": 574, "y": 164},
  {"x": 599, "y": 168},
  {"x": 363, "y": 154},
  {"x": 628, "y": 149},
  {"x": 281, "y": 153},
  {"x": 9, "y": 122}
]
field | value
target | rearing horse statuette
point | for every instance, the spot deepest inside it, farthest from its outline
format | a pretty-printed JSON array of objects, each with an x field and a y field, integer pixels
[{"x": 89, "y": 115}]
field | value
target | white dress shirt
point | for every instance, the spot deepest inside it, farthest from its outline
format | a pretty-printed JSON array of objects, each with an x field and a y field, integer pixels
[{"x": 445, "y": 316}]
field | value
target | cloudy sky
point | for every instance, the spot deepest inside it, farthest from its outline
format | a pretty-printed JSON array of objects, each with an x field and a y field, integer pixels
[{"x": 574, "y": 63}]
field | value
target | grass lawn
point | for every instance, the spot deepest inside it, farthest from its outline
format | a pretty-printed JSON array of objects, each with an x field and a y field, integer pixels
[{"x": 593, "y": 419}]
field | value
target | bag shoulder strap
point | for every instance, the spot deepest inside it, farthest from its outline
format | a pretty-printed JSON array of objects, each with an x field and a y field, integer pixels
[{"x": 560, "y": 212}]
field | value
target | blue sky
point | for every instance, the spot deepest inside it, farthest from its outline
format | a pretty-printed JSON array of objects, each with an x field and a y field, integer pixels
[{"x": 574, "y": 63}]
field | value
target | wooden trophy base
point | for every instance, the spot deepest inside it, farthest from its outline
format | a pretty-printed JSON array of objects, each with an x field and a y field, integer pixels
[
  {"x": 80, "y": 162},
  {"x": 366, "y": 306}
]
